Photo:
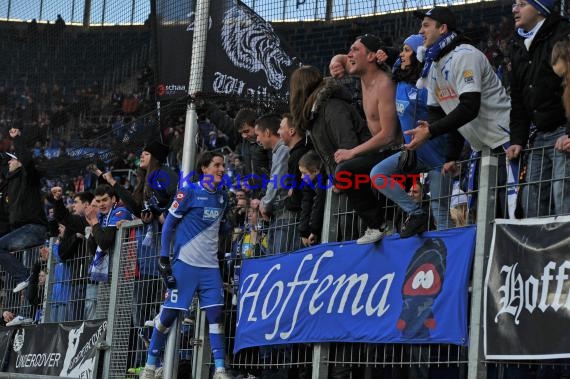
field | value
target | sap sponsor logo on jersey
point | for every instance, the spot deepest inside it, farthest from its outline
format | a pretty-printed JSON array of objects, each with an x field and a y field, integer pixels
[
  {"x": 468, "y": 76},
  {"x": 447, "y": 93},
  {"x": 211, "y": 213},
  {"x": 401, "y": 106}
]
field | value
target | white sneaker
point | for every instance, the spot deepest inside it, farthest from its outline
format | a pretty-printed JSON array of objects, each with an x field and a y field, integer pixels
[
  {"x": 370, "y": 236},
  {"x": 19, "y": 320},
  {"x": 21, "y": 286},
  {"x": 221, "y": 374},
  {"x": 148, "y": 372},
  {"x": 149, "y": 323}
]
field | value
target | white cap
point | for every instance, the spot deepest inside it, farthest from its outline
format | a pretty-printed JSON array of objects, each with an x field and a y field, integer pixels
[{"x": 457, "y": 196}]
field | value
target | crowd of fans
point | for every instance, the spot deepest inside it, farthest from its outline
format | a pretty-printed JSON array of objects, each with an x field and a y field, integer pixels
[{"x": 63, "y": 116}]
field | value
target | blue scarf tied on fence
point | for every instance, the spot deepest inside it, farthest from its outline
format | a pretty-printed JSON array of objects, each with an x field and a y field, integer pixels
[{"x": 99, "y": 268}]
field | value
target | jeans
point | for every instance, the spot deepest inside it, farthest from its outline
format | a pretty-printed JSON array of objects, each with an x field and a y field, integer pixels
[
  {"x": 363, "y": 199},
  {"x": 283, "y": 234},
  {"x": 58, "y": 312},
  {"x": 440, "y": 189},
  {"x": 25, "y": 236},
  {"x": 91, "y": 301},
  {"x": 551, "y": 167}
]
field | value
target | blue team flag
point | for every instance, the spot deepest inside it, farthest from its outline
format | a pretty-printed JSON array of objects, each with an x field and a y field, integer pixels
[{"x": 410, "y": 290}]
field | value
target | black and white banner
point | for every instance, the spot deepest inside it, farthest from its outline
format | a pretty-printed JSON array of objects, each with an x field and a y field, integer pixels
[
  {"x": 244, "y": 55},
  {"x": 65, "y": 350},
  {"x": 5, "y": 339},
  {"x": 527, "y": 299}
]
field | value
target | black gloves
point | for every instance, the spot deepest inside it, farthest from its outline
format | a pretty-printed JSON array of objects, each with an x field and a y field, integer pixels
[{"x": 166, "y": 272}]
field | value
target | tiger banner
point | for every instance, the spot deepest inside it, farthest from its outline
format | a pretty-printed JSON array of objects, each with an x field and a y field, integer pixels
[{"x": 244, "y": 55}]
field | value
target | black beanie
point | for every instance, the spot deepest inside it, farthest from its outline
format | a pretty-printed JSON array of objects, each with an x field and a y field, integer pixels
[{"x": 158, "y": 150}]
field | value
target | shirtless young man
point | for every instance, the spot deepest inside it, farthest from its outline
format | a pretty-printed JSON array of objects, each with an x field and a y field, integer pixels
[{"x": 378, "y": 93}]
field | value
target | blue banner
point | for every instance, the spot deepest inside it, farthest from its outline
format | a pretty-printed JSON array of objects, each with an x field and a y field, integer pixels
[{"x": 398, "y": 291}]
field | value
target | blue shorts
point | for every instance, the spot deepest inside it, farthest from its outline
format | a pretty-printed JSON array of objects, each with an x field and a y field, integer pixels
[{"x": 189, "y": 279}]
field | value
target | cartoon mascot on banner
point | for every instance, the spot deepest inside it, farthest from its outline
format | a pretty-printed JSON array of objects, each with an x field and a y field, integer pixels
[{"x": 424, "y": 280}]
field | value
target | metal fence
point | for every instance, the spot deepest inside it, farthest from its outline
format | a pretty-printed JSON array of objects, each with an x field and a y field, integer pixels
[
  {"x": 359, "y": 360},
  {"x": 18, "y": 303},
  {"x": 132, "y": 298}
]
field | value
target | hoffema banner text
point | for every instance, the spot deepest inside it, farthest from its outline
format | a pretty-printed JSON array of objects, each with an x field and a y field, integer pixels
[
  {"x": 527, "y": 290},
  {"x": 397, "y": 291}
]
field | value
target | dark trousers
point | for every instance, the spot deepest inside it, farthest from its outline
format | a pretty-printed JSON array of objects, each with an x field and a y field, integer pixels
[{"x": 367, "y": 204}]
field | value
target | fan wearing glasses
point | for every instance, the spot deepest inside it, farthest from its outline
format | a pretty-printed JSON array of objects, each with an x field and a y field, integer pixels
[{"x": 536, "y": 100}]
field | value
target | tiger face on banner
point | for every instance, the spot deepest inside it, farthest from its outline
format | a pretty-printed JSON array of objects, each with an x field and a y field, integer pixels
[
  {"x": 250, "y": 43},
  {"x": 244, "y": 55}
]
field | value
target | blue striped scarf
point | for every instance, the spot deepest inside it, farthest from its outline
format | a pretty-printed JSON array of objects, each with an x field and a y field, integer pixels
[{"x": 432, "y": 53}]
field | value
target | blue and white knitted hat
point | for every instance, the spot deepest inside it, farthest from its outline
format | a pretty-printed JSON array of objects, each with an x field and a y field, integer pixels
[{"x": 543, "y": 6}]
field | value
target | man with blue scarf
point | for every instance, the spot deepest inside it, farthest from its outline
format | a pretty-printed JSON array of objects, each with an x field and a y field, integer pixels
[
  {"x": 536, "y": 98},
  {"x": 464, "y": 94},
  {"x": 103, "y": 217}
]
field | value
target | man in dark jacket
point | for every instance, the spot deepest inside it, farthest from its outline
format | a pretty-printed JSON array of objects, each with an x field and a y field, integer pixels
[
  {"x": 28, "y": 223},
  {"x": 104, "y": 217},
  {"x": 73, "y": 245},
  {"x": 294, "y": 138},
  {"x": 536, "y": 101}
]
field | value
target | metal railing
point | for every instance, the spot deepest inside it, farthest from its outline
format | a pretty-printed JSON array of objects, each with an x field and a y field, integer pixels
[{"x": 133, "y": 297}]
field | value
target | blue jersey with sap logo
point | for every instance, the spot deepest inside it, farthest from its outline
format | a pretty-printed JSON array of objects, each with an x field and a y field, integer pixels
[
  {"x": 411, "y": 106},
  {"x": 200, "y": 212}
]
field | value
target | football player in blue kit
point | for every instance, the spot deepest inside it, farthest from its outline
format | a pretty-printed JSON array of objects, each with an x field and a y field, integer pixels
[{"x": 193, "y": 225}]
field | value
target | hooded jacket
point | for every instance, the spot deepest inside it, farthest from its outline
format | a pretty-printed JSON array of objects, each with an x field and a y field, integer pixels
[{"x": 335, "y": 123}]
